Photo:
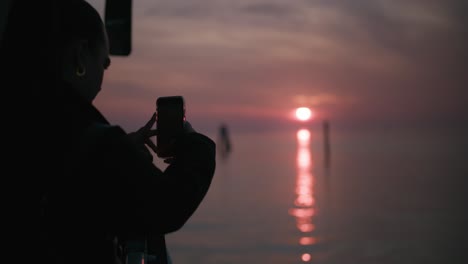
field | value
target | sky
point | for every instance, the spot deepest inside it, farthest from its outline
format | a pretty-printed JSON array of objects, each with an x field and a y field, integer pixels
[{"x": 251, "y": 63}]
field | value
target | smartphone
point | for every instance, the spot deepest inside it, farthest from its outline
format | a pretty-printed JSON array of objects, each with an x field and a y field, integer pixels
[{"x": 170, "y": 118}]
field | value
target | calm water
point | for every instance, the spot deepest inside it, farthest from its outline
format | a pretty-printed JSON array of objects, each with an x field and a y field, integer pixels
[{"x": 385, "y": 198}]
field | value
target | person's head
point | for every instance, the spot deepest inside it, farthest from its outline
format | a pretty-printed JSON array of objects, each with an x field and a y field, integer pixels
[{"x": 84, "y": 47}]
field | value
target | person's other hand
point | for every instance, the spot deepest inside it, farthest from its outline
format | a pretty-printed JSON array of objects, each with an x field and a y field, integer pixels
[{"x": 188, "y": 127}]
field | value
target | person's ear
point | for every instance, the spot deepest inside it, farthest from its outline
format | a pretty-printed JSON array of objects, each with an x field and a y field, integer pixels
[{"x": 81, "y": 57}]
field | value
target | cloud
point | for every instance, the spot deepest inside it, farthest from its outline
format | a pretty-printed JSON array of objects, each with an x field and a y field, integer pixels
[
  {"x": 274, "y": 10},
  {"x": 323, "y": 99},
  {"x": 178, "y": 9}
]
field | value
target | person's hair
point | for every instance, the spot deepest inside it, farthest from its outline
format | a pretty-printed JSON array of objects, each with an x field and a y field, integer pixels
[{"x": 79, "y": 20}]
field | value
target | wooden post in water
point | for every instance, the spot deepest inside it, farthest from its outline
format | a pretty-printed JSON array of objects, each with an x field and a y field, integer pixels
[{"x": 326, "y": 144}]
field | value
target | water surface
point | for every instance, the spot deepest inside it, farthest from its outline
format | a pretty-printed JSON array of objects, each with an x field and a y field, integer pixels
[{"x": 385, "y": 198}]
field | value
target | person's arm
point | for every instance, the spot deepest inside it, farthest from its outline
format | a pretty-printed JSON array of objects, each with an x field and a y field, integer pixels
[
  {"x": 156, "y": 202},
  {"x": 189, "y": 175}
]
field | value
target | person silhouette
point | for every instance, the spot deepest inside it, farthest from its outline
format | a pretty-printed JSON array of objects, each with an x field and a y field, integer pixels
[{"x": 106, "y": 189}]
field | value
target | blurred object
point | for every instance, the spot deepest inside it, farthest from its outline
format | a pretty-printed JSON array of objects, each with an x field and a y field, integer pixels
[
  {"x": 224, "y": 141},
  {"x": 4, "y": 9},
  {"x": 118, "y": 21}
]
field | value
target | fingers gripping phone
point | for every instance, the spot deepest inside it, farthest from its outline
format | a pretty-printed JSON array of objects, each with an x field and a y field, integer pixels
[{"x": 170, "y": 118}]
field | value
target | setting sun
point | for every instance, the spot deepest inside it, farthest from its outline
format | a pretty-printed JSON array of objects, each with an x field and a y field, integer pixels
[{"x": 303, "y": 113}]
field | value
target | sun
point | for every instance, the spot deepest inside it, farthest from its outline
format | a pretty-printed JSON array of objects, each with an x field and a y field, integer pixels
[{"x": 304, "y": 113}]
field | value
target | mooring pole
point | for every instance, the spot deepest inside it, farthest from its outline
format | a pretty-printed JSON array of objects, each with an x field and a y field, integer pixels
[{"x": 326, "y": 143}]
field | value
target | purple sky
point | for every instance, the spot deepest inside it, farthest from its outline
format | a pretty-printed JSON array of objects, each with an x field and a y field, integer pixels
[{"x": 251, "y": 63}]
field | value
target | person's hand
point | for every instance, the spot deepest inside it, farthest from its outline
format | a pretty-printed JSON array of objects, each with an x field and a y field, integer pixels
[{"x": 142, "y": 136}]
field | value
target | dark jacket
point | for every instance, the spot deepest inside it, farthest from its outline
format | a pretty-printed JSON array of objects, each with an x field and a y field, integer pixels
[{"x": 109, "y": 188}]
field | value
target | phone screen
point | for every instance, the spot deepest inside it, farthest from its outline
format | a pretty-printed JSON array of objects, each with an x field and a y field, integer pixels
[{"x": 170, "y": 117}]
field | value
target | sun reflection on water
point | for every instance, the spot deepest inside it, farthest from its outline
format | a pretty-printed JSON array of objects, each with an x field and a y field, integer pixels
[{"x": 304, "y": 205}]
